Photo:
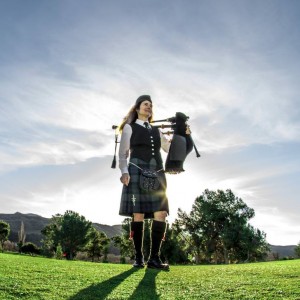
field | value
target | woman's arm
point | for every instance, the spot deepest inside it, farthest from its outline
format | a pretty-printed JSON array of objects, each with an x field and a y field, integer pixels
[{"x": 124, "y": 148}]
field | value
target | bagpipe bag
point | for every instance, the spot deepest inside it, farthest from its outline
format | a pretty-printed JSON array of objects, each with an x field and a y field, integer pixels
[{"x": 181, "y": 145}]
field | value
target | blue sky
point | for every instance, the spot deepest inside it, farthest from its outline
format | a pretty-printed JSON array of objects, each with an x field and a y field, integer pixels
[{"x": 71, "y": 69}]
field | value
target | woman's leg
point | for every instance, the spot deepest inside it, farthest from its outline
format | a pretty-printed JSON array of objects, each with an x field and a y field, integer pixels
[
  {"x": 160, "y": 216},
  {"x": 137, "y": 217},
  {"x": 137, "y": 234},
  {"x": 158, "y": 230}
]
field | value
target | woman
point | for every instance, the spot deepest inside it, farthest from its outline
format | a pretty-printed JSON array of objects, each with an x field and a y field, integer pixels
[{"x": 144, "y": 143}]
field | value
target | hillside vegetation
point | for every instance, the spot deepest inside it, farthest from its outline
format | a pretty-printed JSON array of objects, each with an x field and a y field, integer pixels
[
  {"x": 34, "y": 224},
  {"x": 25, "y": 277}
]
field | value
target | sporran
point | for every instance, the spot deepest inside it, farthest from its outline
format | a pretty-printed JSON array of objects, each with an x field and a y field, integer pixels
[{"x": 149, "y": 179}]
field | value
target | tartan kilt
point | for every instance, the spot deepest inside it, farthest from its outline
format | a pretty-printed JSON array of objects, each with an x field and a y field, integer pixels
[{"x": 135, "y": 200}]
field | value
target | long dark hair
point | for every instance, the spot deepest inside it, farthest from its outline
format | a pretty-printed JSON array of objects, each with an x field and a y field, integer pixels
[{"x": 132, "y": 115}]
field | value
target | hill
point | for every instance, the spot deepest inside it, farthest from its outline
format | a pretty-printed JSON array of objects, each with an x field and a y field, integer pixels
[
  {"x": 283, "y": 251},
  {"x": 34, "y": 224}
]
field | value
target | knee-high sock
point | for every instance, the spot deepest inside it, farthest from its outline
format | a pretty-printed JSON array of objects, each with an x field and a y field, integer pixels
[
  {"x": 137, "y": 234},
  {"x": 158, "y": 230}
]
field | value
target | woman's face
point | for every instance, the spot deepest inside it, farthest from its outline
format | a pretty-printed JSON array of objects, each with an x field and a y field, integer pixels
[{"x": 145, "y": 109}]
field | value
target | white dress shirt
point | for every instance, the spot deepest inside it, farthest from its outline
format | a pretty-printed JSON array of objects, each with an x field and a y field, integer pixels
[{"x": 125, "y": 145}]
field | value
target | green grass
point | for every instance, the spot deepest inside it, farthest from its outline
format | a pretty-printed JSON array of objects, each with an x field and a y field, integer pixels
[{"x": 25, "y": 277}]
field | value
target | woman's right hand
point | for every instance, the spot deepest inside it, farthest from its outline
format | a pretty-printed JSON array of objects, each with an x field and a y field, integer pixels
[{"x": 125, "y": 178}]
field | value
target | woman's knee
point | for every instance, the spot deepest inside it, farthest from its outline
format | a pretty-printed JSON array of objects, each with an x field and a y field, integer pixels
[
  {"x": 160, "y": 216},
  {"x": 138, "y": 217}
]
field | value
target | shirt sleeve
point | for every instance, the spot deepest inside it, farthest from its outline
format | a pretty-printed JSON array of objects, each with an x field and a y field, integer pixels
[
  {"x": 124, "y": 148},
  {"x": 165, "y": 143}
]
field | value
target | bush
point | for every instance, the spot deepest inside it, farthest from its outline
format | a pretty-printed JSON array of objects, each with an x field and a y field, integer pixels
[
  {"x": 288, "y": 258},
  {"x": 59, "y": 253},
  {"x": 10, "y": 246},
  {"x": 30, "y": 248}
]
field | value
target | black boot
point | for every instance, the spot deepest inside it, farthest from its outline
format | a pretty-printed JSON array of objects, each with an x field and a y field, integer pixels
[
  {"x": 158, "y": 230},
  {"x": 137, "y": 234}
]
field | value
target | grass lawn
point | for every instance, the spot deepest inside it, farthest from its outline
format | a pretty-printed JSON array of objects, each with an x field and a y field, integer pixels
[{"x": 25, "y": 277}]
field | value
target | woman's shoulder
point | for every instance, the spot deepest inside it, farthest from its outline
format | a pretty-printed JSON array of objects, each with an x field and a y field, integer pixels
[
  {"x": 127, "y": 128},
  {"x": 127, "y": 125}
]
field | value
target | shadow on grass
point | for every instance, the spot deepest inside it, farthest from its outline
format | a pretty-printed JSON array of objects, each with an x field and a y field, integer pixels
[
  {"x": 145, "y": 290},
  {"x": 102, "y": 290},
  {"x": 147, "y": 287}
]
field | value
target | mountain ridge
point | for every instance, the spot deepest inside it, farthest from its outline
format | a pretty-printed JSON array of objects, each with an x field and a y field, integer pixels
[{"x": 34, "y": 223}]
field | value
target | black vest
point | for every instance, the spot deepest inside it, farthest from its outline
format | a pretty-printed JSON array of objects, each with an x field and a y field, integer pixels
[{"x": 144, "y": 144}]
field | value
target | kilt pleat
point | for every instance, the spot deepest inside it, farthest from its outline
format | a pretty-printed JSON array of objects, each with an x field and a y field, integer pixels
[{"x": 135, "y": 200}]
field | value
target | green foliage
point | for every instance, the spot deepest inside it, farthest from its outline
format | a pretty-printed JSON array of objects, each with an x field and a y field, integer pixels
[
  {"x": 105, "y": 254},
  {"x": 30, "y": 248},
  {"x": 70, "y": 230},
  {"x": 98, "y": 242},
  {"x": 123, "y": 241},
  {"x": 4, "y": 233},
  {"x": 59, "y": 252},
  {"x": 217, "y": 231},
  {"x": 41, "y": 278},
  {"x": 174, "y": 247}
]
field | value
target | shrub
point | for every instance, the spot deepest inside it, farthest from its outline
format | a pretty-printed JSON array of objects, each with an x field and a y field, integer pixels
[
  {"x": 10, "y": 246},
  {"x": 30, "y": 248}
]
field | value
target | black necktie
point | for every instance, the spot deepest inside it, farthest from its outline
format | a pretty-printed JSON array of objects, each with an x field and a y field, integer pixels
[{"x": 147, "y": 126}]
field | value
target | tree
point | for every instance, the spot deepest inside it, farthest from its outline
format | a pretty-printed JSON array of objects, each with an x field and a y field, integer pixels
[
  {"x": 50, "y": 233},
  {"x": 70, "y": 230},
  {"x": 252, "y": 244},
  {"x": 4, "y": 233},
  {"x": 297, "y": 250},
  {"x": 21, "y": 236},
  {"x": 123, "y": 241},
  {"x": 105, "y": 253},
  {"x": 174, "y": 248},
  {"x": 97, "y": 244},
  {"x": 191, "y": 234},
  {"x": 216, "y": 228}
]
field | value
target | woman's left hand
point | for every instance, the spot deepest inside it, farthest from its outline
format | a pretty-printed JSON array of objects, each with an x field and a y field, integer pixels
[{"x": 125, "y": 178}]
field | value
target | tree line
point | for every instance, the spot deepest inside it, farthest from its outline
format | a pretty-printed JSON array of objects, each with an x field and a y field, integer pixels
[{"x": 216, "y": 230}]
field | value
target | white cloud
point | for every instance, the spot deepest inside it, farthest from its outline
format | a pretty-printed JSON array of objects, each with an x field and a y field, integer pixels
[{"x": 67, "y": 77}]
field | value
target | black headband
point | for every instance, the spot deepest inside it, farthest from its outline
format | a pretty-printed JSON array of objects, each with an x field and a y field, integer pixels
[{"x": 143, "y": 98}]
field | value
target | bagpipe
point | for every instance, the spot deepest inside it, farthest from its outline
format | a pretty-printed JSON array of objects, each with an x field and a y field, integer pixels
[{"x": 181, "y": 143}]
